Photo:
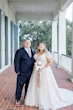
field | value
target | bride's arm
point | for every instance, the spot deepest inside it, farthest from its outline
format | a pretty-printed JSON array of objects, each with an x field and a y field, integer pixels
[{"x": 49, "y": 60}]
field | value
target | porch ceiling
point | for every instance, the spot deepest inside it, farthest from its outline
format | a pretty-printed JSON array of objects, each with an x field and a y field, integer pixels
[{"x": 36, "y": 9}]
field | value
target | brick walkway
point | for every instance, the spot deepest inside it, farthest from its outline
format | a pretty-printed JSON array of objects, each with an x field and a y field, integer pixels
[{"x": 8, "y": 83}]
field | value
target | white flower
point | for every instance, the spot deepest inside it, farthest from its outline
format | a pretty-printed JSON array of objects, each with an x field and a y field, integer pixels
[{"x": 38, "y": 65}]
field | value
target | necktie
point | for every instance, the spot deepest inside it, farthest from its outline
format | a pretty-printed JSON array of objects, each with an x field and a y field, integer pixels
[{"x": 29, "y": 52}]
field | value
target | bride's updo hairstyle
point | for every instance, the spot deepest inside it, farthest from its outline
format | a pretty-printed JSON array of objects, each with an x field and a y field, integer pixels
[{"x": 45, "y": 49}]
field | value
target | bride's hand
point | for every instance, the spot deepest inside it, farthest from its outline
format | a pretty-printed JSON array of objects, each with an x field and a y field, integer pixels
[{"x": 41, "y": 67}]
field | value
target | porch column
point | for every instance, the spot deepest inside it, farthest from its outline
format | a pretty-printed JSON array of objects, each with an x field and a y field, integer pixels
[
  {"x": 61, "y": 36},
  {"x": 54, "y": 36}
]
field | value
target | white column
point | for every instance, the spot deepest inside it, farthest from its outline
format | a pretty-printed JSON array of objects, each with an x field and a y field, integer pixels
[
  {"x": 61, "y": 36},
  {"x": 54, "y": 36},
  {"x": 72, "y": 45}
]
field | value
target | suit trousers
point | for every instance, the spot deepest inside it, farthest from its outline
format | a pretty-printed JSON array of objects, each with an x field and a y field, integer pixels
[{"x": 21, "y": 80}]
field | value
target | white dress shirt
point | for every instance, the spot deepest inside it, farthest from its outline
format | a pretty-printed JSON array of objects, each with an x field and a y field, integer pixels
[{"x": 28, "y": 50}]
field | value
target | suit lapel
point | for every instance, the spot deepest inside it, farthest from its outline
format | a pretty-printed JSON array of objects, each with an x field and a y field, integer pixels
[{"x": 27, "y": 53}]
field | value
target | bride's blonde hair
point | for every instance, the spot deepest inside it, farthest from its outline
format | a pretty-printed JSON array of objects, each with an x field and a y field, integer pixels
[{"x": 45, "y": 50}]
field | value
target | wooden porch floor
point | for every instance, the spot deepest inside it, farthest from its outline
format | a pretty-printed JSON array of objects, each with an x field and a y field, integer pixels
[{"x": 8, "y": 84}]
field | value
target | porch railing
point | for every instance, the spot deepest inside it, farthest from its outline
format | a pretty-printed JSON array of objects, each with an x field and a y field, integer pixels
[{"x": 66, "y": 61}]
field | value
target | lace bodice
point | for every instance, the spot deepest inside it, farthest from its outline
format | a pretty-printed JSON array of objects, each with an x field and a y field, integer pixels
[{"x": 42, "y": 58}]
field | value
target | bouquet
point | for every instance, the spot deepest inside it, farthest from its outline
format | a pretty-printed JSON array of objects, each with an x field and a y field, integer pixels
[{"x": 38, "y": 65}]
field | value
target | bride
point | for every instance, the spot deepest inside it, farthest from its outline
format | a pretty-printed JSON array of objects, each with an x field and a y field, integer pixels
[{"x": 43, "y": 91}]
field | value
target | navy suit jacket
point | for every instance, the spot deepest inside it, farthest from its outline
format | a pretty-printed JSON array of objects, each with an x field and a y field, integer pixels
[{"x": 23, "y": 63}]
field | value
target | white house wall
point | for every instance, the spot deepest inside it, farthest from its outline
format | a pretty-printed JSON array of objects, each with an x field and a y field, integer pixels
[{"x": 6, "y": 10}]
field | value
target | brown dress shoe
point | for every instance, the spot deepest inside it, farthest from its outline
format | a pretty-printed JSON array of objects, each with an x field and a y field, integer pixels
[{"x": 17, "y": 104}]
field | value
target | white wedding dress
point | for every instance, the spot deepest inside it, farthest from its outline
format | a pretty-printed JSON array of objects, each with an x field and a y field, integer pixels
[{"x": 48, "y": 95}]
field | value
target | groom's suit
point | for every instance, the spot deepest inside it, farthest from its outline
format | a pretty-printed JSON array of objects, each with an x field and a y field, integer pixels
[{"x": 23, "y": 64}]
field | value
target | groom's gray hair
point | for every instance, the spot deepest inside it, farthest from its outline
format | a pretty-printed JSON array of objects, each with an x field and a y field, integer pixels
[{"x": 26, "y": 39}]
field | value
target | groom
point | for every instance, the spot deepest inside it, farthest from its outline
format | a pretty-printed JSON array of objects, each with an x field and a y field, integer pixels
[{"x": 23, "y": 63}]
